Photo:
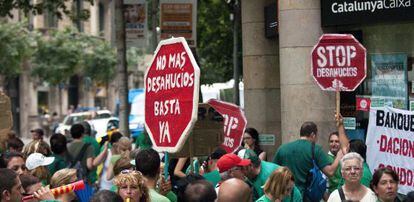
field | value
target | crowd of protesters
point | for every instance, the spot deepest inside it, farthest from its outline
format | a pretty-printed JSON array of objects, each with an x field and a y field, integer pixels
[{"x": 117, "y": 170}]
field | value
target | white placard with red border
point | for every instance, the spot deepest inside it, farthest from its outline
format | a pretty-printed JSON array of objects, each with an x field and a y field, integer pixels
[{"x": 390, "y": 143}]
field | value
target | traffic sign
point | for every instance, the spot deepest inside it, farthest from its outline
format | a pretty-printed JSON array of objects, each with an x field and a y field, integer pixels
[
  {"x": 171, "y": 95},
  {"x": 339, "y": 62},
  {"x": 234, "y": 123}
]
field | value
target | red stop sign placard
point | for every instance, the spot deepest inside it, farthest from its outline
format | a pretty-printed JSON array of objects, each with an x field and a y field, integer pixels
[
  {"x": 171, "y": 95},
  {"x": 339, "y": 62},
  {"x": 234, "y": 123}
]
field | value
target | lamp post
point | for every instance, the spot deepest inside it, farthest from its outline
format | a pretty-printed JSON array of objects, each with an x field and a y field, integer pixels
[{"x": 234, "y": 6}]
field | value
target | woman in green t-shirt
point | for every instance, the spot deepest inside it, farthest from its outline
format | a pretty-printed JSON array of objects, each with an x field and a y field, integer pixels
[{"x": 278, "y": 186}]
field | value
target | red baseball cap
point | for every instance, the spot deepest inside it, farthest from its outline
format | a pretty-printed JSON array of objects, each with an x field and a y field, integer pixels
[{"x": 229, "y": 161}]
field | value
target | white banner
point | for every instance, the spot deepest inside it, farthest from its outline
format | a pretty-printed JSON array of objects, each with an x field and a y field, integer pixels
[
  {"x": 390, "y": 143},
  {"x": 136, "y": 27},
  {"x": 178, "y": 18}
]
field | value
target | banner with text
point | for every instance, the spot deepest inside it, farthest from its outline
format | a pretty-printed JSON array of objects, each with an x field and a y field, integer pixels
[
  {"x": 389, "y": 79},
  {"x": 390, "y": 143},
  {"x": 135, "y": 14},
  {"x": 179, "y": 19}
]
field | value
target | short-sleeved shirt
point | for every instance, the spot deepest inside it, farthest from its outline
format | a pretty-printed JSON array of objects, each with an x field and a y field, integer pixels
[
  {"x": 74, "y": 149},
  {"x": 213, "y": 177},
  {"x": 93, "y": 175},
  {"x": 93, "y": 142},
  {"x": 264, "y": 198},
  {"x": 297, "y": 156},
  {"x": 368, "y": 197},
  {"x": 266, "y": 170},
  {"x": 59, "y": 163},
  {"x": 155, "y": 196},
  {"x": 334, "y": 181}
]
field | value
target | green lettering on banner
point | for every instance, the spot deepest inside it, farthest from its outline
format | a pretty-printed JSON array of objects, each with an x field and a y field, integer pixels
[
  {"x": 411, "y": 105},
  {"x": 377, "y": 102},
  {"x": 350, "y": 123},
  {"x": 267, "y": 139}
]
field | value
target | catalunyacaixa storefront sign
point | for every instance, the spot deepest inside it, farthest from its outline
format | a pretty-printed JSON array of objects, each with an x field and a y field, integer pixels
[{"x": 346, "y": 12}]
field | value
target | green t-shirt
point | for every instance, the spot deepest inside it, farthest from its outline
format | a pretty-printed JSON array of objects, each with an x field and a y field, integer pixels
[
  {"x": 58, "y": 164},
  {"x": 334, "y": 181},
  {"x": 297, "y": 156},
  {"x": 143, "y": 141},
  {"x": 115, "y": 158},
  {"x": 365, "y": 179},
  {"x": 74, "y": 149},
  {"x": 264, "y": 198},
  {"x": 213, "y": 177},
  {"x": 155, "y": 196},
  {"x": 92, "y": 175},
  {"x": 171, "y": 196},
  {"x": 266, "y": 170},
  {"x": 93, "y": 142}
]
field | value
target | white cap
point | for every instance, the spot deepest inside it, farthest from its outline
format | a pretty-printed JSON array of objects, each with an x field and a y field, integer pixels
[{"x": 37, "y": 159}]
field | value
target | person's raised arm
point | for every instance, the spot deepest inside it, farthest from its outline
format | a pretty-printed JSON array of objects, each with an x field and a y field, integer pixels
[
  {"x": 180, "y": 165},
  {"x": 343, "y": 139},
  {"x": 329, "y": 170},
  {"x": 101, "y": 157}
]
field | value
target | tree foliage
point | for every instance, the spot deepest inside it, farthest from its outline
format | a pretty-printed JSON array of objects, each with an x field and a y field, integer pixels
[
  {"x": 215, "y": 41},
  {"x": 65, "y": 53},
  {"x": 16, "y": 44},
  {"x": 134, "y": 57},
  {"x": 99, "y": 59},
  {"x": 57, "y": 7},
  {"x": 57, "y": 57}
]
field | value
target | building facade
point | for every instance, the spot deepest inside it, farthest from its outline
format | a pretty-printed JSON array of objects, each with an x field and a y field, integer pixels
[
  {"x": 280, "y": 93},
  {"x": 30, "y": 97}
]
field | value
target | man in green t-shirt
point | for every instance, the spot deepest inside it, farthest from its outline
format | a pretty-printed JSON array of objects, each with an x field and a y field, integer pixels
[
  {"x": 88, "y": 159},
  {"x": 334, "y": 147},
  {"x": 297, "y": 155},
  {"x": 148, "y": 162},
  {"x": 260, "y": 171}
]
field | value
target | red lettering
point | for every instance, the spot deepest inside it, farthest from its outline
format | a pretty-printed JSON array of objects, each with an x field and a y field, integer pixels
[
  {"x": 383, "y": 143},
  {"x": 406, "y": 176},
  {"x": 399, "y": 146},
  {"x": 403, "y": 176},
  {"x": 396, "y": 149},
  {"x": 404, "y": 147},
  {"x": 409, "y": 178}
]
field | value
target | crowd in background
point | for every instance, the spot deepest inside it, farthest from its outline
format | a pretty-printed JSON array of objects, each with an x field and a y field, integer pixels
[{"x": 116, "y": 169}]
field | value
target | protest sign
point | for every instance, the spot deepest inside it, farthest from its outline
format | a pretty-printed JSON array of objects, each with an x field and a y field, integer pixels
[
  {"x": 390, "y": 143},
  {"x": 171, "y": 95},
  {"x": 234, "y": 123}
]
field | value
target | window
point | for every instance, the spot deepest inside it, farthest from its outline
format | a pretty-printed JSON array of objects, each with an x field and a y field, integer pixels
[{"x": 101, "y": 12}]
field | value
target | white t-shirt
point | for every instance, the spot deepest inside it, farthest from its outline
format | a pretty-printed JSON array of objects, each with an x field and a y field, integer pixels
[
  {"x": 369, "y": 196},
  {"x": 104, "y": 183}
]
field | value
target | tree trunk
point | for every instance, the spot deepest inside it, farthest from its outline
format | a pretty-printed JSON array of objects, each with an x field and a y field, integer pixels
[
  {"x": 236, "y": 72},
  {"x": 2, "y": 83},
  {"x": 154, "y": 24},
  {"x": 121, "y": 67}
]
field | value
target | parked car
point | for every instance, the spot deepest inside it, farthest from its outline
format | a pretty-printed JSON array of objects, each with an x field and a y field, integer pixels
[
  {"x": 78, "y": 117},
  {"x": 103, "y": 126}
]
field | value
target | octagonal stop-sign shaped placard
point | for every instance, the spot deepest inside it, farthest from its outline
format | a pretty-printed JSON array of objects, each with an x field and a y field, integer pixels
[
  {"x": 339, "y": 62},
  {"x": 171, "y": 95}
]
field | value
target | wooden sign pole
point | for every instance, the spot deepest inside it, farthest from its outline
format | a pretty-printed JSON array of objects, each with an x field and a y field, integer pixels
[{"x": 338, "y": 102}]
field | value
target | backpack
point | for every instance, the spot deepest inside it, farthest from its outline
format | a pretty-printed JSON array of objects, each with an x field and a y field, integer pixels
[
  {"x": 315, "y": 183},
  {"x": 76, "y": 163}
]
